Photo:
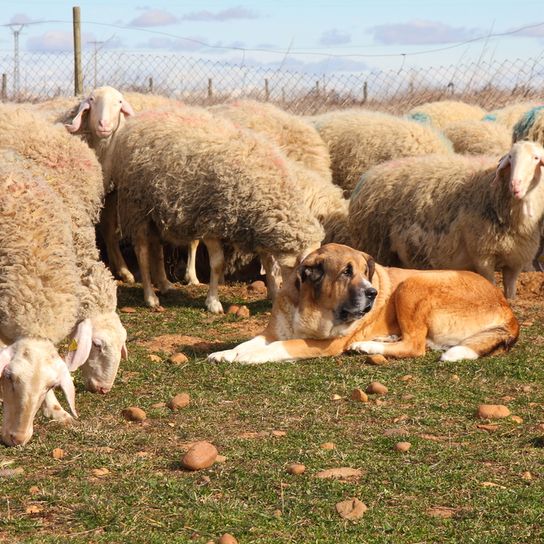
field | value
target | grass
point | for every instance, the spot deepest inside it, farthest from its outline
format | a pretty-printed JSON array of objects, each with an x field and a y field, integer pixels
[{"x": 146, "y": 497}]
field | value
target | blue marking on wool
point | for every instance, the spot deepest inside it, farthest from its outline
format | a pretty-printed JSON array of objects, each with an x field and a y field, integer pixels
[
  {"x": 359, "y": 186},
  {"x": 490, "y": 117},
  {"x": 420, "y": 117},
  {"x": 521, "y": 128}
]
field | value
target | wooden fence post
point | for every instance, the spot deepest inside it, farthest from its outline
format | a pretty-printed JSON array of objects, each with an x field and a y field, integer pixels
[
  {"x": 266, "y": 90},
  {"x": 78, "y": 74},
  {"x": 4, "y": 92},
  {"x": 210, "y": 88},
  {"x": 150, "y": 85},
  {"x": 365, "y": 92}
]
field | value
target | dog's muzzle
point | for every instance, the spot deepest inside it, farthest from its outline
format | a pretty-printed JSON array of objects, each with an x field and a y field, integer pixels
[{"x": 357, "y": 306}]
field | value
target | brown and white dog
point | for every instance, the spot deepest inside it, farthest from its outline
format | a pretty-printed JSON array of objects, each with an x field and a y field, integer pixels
[{"x": 339, "y": 299}]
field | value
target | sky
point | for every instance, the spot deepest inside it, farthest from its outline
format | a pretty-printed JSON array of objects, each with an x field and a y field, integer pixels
[{"x": 312, "y": 35}]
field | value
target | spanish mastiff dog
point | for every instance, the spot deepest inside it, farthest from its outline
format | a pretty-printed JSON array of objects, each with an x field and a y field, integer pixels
[{"x": 338, "y": 299}]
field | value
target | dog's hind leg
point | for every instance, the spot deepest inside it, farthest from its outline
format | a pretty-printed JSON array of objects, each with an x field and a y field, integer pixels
[{"x": 488, "y": 341}]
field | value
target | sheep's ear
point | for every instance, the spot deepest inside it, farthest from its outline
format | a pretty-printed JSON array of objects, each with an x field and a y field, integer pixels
[
  {"x": 75, "y": 125},
  {"x": 80, "y": 345},
  {"x": 6, "y": 355},
  {"x": 126, "y": 108},
  {"x": 504, "y": 163},
  {"x": 67, "y": 385}
]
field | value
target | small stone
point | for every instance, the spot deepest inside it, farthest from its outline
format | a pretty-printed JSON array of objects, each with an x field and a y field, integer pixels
[
  {"x": 227, "y": 538},
  {"x": 200, "y": 455},
  {"x": 407, "y": 378},
  {"x": 278, "y": 433},
  {"x": 351, "y": 509},
  {"x": 178, "y": 358},
  {"x": 328, "y": 446},
  {"x": 232, "y": 309},
  {"x": 128, "y": 310},
  {"x": 57, "y": 453},
  {"x": 359, "y": 395},
  {"x": 154, "y": 358},
  {"x": 100, "y": 472},
  {"x": 455, "y": 378},
  {"x": 517, "y": 419},
  {"x": 336, "y": 397},
  {"x": 492, "y": 411},
  {"x": 377, "y": 388},
  {"x": 403, "y": 447},
  {"x": 527, "y": 476},
  {"x": 133, "y": 413},
  {"x": 243, "y": 311},
  {"x": 258, "y": 287},
  {"x": 527, "y": 388},
  {"x": 376, "y": 360},
  {"x": 296, "y": 469},
  {"x": 179, "y": 401},
  {"x": 33, "y": 509}
]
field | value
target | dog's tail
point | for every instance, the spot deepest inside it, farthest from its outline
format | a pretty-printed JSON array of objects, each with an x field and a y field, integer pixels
[{"x": 494, "y": 340}]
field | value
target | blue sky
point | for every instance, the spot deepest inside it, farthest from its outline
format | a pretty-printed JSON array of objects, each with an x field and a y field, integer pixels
[{"x": 333, "y": 35}]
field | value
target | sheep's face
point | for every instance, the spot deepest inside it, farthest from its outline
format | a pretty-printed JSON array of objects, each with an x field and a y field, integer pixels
[
  {"x": 105, "y": 109},
  {"x": 525, "y": 161},
  {"x": 108, "y": 347},
  {"x": 30, "y": 368}
]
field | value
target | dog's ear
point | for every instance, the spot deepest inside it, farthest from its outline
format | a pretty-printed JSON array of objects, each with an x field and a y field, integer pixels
[
  {"x": 370, "y": 267},
  {"x": 312, "y": 273}
]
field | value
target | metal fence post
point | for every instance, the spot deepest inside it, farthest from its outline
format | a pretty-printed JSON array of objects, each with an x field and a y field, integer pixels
[
  {"x": 210, "y": 89},
  {"x": 78, "y": 74},
  {"x": 150, "y": 86},
  {"x": 266, "y": 90},
  {"x": 365, "y": 92},
  {"x": 4, "y": 91}
]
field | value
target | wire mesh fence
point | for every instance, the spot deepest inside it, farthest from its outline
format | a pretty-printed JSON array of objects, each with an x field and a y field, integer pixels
[{"x": 43, "y": 76}]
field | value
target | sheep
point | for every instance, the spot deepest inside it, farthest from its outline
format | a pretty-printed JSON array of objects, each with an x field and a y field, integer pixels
[
  {"x": 445, "y": 112},
  {"x": 359, "y": 139},
  {"x": 296, "y": 138},
  {"x": 71, "y": 169},
  {"x": 187, "y": 175},
  {"x": 453, "y": 212},
  {"x": 511, "y": 114},
  {"x": 38, "y": 297},
  {"x": 478, "y": 138},
  {"x": 530, "y": 126}
]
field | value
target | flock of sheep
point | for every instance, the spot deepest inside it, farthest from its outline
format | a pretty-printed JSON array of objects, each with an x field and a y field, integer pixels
[{"x": 441, "y": 187}]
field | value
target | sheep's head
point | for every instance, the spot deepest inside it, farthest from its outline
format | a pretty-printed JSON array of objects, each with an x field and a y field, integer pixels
[
  {"x": 524, "y": 163},
  {"x": 29, "y": 368},
  {"x": 105, "y": 109},
  {"x": 100, "y": 344}
]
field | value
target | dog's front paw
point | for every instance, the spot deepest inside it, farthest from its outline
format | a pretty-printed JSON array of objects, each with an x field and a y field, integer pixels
[
  {"x": 372, "y": 348},
  {"x": 227, "y": 356}
]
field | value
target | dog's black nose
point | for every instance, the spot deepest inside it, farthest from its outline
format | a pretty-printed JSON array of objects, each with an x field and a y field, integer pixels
[{"x": 371, "y": 293}]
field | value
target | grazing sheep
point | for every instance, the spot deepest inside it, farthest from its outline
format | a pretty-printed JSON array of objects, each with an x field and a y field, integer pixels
[
  {"x": 453, "y": 212},
  {"x": 296, "y": 138},
  {"x": 71, "y": 169},
  {"x": 359, "y": 139},
  {"x": 445, "y": 112},
  {"x": 511, "y": 114},
  {"x": 38, "y": 297},
  {"x": 188, "y": 175},
  {"x": 479, "y": 138}
]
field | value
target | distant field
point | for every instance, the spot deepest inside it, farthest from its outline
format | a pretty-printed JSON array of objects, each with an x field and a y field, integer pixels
[{"x": 457, "y": 484}]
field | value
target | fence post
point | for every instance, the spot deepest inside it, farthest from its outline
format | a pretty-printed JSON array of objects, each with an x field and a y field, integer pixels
[
  {"x": 283, "y": 94},
  {"x": 4, "y": 94},
  {"x": 78, "y": 74},
  {"x": 317, "y": 88},
  {"x": 266, "y": 90},
  {"x": 150, "y": 86},
  {"x": 365, "y": 92},
  {"x": 210, "y": 88}
]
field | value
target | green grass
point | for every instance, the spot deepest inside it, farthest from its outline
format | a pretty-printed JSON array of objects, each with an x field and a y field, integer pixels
[{"x": 148, "y": 498}]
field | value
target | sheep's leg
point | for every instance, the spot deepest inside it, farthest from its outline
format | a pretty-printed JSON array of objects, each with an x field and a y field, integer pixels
[
  {"x": 487, "y": 270},
  {"x": 109, "y": 230},
  {"x": 190, "y": 272},
  {"x": 217, "y": 263},
  {"x": 141, "y": 246},
  {"x": 509, "y": 278},
  {"x": 53, "y": 410},
  {"x": 273, "y": 275},
  {"x": 158, "y": 272}
]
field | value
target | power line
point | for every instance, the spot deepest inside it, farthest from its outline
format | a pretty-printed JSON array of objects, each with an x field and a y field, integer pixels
[{"x": 296, "y": 52}]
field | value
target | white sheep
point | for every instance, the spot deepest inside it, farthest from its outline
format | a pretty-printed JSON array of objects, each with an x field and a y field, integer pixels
[
  {"x": 453, "y": 212},
  {"x": 510, "y": 114},
  {"x": 478, "y": 137},
  {"x": 359, "y": 139},
  {"x": 38, "y": 297},
  {"x": 74, "y": 173},
  {"x": 442, "y": 113}
]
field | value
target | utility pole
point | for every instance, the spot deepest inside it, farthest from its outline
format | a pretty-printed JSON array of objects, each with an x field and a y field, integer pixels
[
  {"x": 78, "y": 74},
  {"x": 16, "y": 29},
  {"x": 95, "y": 58}
]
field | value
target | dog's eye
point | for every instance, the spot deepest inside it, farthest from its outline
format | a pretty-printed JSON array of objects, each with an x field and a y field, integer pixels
[{"x": 348, "y": 271}]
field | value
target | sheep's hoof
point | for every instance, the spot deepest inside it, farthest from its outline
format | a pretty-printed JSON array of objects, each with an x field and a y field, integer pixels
[
  {"x": 127, "y": 276},
  {"x": 152, "y": 301},
  {"x": 214, "y": 306}
]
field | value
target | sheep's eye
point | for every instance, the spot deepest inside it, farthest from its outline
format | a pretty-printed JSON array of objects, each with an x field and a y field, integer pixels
[
  {"x": 536, "y": 158},
  {"x": 91, "y": 98},
  {"x": 348, "y": 271},
  {"x": 120, "y": 101}
]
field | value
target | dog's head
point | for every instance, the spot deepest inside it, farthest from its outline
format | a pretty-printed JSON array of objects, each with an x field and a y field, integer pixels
[{"x": 334, "y": 287}]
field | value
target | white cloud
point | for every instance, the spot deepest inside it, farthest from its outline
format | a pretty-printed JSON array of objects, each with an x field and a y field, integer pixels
[
  {"x": 154, "y": 17},
  {"x": 20, "y": 18},
  {"x": 421, "y": 33},
  {"x": 55, "y": 40},
  {"x": 334, "y": 37},
  {"x": 237, "y": 12}
]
